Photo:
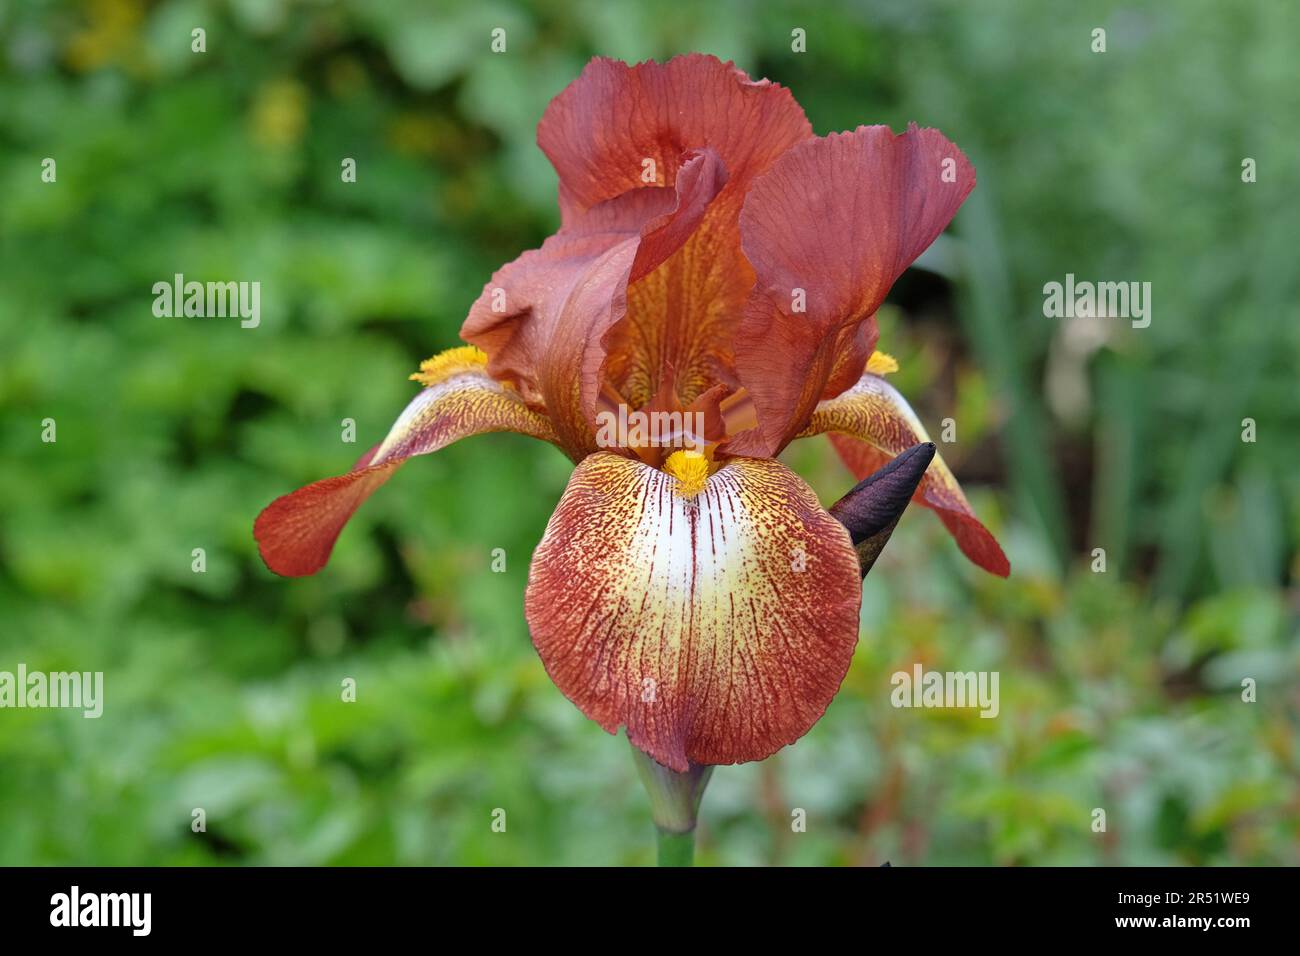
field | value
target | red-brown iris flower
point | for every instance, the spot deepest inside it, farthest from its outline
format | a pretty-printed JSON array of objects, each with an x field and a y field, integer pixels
[{"x": 714, "y": 256}]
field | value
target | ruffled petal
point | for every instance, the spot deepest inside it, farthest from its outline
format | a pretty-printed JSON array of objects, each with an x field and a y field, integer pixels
[
  {"x": 542, "y": 318},
  {"x": 602, "y": 128},
  {"x": 603, "y": 133},
  {"x": 715, "y": 626},
  {"x": 828, "y": 229},
  {"x": 870, "y": 424},
  {"x": 296, "y": 533}
]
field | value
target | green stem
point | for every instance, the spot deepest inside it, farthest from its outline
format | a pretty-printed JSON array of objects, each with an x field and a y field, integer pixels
[
  {"x": 676, "y": 849},
  {"x": 674, "y": 804}
]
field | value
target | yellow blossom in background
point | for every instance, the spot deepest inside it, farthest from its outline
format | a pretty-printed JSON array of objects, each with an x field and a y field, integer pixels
[
  {"x": 279, "y": 115},
  {"x": 109, "y": 35}
]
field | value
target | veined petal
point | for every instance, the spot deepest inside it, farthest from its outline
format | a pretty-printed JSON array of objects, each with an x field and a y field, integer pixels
[
  {"x": 716, "y": 626},
  {"x": 542, "y": 318},
  {"x": 828, "y": 229},
  {"x": 602, "y": 128},
  {"x": 296, "y": 533},
  {"x": 615, "y": 124},
  {"x": 870, "y": 424}
]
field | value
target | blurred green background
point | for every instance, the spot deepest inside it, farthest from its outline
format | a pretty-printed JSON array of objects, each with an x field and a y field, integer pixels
[{"x": 1120, "y": 690}]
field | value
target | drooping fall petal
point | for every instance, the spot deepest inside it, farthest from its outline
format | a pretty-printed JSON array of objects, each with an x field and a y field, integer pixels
[
  {"x": 828, "y": 229},
  {"x": 542, "y": 318},
  {"x": 716, "y": 626},
  {"x": 296, "y": 533},
  {"x": 870, "y": 424}
]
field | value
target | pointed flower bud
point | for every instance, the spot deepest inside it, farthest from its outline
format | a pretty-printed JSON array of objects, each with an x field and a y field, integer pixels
[{"x": 872, "y": 509}]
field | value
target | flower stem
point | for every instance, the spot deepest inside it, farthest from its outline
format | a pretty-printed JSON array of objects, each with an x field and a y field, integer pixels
[
  {"x": 674, "y": 803},
  {"x": 676, "y": 849}
]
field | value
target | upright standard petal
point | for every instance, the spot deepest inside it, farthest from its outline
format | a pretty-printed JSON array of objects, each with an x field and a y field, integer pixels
[
  {"x": 828, "y": 230},
  {"x": 543, "y": 317},
  {"x": 296, "y": 533},
  {"x": 714, "y": 619},
  {"x": 617, "y": 125},
  {"x": 870, "y": 424}
]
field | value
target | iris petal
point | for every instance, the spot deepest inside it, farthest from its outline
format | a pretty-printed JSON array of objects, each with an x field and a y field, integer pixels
[
  {"x": 870, "y": 424},
  {"x": 716, "y": 627},
  {"x": 542, "y": 319},
  {"x": 296, "y": 533},
  {"x": 828, "y": 229},
  {"x": 602, "y": 128}
]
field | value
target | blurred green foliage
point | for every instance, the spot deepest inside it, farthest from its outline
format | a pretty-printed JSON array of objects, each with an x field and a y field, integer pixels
[{"x": 1120, "y": 690}]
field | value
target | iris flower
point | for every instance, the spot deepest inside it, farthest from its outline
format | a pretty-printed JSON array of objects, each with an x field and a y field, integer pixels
[{"x": 717, "y": 259}]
